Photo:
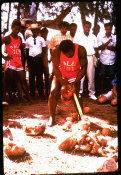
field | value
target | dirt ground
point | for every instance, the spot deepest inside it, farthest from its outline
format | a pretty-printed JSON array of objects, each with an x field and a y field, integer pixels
[{"x": 42, "y": 154}]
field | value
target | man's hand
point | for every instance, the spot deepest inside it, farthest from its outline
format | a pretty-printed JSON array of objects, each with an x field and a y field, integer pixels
[
  {"x": 8, "y": 57},
  {"x": 67, "y": 93}
]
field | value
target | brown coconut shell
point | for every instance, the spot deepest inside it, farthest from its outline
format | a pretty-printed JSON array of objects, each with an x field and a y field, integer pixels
[
  {"x": 74, "y": 117},
  {"x": 14, "y": 150},
  {"x": 36, "y": 129},
  {"x": 106, "y": 132},
  {"x": 86, "y": 110},
  {"x": 67, "y": 144}
]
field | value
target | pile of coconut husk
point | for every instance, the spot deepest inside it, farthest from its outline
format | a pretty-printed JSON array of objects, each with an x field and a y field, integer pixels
[{"x": 83, "y": 139}]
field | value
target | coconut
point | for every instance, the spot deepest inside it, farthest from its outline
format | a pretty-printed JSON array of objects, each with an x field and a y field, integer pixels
[
  {"x": 68, "y": 144},
  {"x": 86, "y": 110},
  {"x": 35, "y": 128},
  {"x": 106, "y": 132},
  {"x": 14, "y": 150}
]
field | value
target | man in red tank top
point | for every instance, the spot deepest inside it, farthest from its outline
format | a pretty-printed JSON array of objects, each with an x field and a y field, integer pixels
[
  {"x": 69, "y": 66},
  {"x": 13, "y": 63}
]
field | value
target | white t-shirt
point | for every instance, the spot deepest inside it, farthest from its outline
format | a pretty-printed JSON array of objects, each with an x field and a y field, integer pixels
[
  {"x": 88, "y": 42},
  {"x": 107, "y": 57},
  {"x": 35, "y": 49}
]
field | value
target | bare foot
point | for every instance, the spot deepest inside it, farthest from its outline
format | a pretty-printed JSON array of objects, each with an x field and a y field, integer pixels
[{"x": 51, "y": 122}]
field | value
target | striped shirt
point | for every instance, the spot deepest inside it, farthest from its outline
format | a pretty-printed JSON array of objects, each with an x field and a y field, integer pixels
[{"x": 56, "y": 40}]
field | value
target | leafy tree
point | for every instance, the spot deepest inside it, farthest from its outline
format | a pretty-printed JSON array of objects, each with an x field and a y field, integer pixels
[{"x": 57, "y": 11}]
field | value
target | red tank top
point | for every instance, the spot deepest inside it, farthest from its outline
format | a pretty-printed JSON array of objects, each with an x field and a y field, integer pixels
[
  {"x": 70, "y": 67},
  {"x": 13, "y": 49}
]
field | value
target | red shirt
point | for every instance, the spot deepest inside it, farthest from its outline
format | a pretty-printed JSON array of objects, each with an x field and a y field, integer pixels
[
  {"x": 13, "y": 49},
  {"x": 70, "y": 67}
]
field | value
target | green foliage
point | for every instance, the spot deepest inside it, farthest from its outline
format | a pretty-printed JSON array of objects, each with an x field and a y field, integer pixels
[{"x": 101, "y": 9}]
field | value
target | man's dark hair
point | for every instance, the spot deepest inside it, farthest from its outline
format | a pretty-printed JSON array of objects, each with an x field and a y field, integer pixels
[
  {"x": 72, "y": 25},
  {"x": 96, "y": 27},
  {"x": 108, "y": 24},
  {"x": 16, "y": 22},
  {"x": 63, "y": 24},
  {"x": 44, "y": 30},
  {"x": 66, "y": 46},
  {"x": 87, "y": 22},
  {"x": 39, "y": 22}
]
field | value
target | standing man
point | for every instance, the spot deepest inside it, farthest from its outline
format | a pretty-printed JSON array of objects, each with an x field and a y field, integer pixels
[
  {"x": 44, "y": 33},
  {"x": 56, "y": 40},
  {"x": 36, "y": 48},
  {"x": 13, "y": 64},
  {"x": 72, "y": 28},
  {"x": 88, "y": 41},
  {"x": 69, "y": 66},
  {"x": 107, "y": 45},
  {"x": 96, "y": 30}
]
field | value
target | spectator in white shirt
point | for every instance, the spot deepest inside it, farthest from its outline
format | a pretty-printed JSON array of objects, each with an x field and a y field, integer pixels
[
  {"x": 44, "y": 33},
  {"x": 96, "y": 30},
  {"x": 36, "y": 49},
  {"x": 107, "y": 45},
  {"x": 88, "y": 41}
]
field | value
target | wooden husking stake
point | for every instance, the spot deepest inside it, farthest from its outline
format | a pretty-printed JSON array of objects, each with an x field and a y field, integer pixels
[{"x": 78, "y": 105}]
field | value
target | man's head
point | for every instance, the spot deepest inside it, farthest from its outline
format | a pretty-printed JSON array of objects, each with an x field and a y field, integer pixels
[
  {"x": 67, "y": 47},
  {"x": 44, "y": 32},
  {"x": 15, "y": 26},
  {"x": 73, "y": 28},
  {"x": 28, "y": 23},
  {"x": 108, "y": 28},
  {"x": 86, "y": 27},
  {"x": 96, "y": 30},
  {"x": 63, "y": 26},
  {"x": 35, "y": 29}
]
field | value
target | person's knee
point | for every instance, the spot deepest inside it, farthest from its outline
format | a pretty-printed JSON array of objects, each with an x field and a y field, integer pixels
[
  {"x": 102, "y": 99},
  {"x": 114, "y": 102}
]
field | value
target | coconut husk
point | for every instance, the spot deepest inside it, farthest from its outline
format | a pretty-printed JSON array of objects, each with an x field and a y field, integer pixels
[
  {"x": 68, "y": 144},
  {"x": 14, "y": 150},
  {"x": 35, "y": 129}
]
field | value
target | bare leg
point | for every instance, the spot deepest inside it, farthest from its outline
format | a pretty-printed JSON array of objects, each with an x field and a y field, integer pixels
[
  {"x": 9, "y": 82},
  {"x": 21, "y": 76},
  {"x": 52, "y": 102}
]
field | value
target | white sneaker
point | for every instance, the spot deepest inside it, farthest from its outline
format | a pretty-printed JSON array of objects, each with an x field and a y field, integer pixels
[
  {"x": 80, "y": 95},
  {"x": 93, "y": 97}
]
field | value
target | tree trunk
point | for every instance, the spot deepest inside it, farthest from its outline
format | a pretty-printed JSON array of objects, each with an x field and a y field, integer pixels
[
  {"x": 18, "y": 11},
  {"x": 53, "y": 24},
  {"x": 8, "y": 16},
  {"x": 82, "y": 17},
  {"x": 95, "y": 20}
]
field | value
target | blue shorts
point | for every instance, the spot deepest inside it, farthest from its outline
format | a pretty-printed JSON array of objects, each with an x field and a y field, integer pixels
[{"x": 107, "y": 69}]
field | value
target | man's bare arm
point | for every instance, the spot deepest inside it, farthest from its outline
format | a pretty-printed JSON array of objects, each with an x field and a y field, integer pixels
[{"x": 6, "y": 40}]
